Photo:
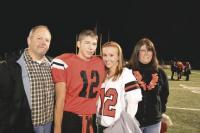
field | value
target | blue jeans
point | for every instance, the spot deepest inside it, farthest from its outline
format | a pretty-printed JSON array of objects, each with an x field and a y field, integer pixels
[
  {"x": 44, "y": 128},
  {"x": 152, "y": 128}
]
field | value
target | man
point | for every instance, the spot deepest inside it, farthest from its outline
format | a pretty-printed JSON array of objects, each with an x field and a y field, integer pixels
[
  {"x": 37, "y": 79},
  {"x": 77, "y": 79},
  {"x": 15, "y": 113},
  {"x": 26, "y": 87},
  {"x": 173, "y": 69}
]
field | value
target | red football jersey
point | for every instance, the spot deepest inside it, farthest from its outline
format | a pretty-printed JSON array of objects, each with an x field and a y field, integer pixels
[{"x": 83, "y": 81}]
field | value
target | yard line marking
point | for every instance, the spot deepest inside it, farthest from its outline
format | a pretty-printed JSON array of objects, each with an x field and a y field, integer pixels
[
  {"x": 195, "y": 72},
  {"x": 193, "y": 89},
  {"x": 192, "y": 109},
  {"x": 196, "y": 91},
  {"x": 189, "y": 87}
]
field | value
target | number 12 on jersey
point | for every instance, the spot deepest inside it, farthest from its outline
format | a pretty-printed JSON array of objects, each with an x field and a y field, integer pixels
[
  {"x": 111, "y": 96},
  {"x": 92, "y": 85}
]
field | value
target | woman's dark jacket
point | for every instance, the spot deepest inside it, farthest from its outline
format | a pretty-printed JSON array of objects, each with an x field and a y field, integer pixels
[
  {"x": 15, "y": 113},
  {"x": 154, "y": 101}
]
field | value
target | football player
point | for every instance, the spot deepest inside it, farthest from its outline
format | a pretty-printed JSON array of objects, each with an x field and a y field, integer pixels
[{"x": 78, "y": 80}]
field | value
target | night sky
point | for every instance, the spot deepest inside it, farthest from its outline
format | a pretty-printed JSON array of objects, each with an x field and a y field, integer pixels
[{"x": 174, "y": 26}]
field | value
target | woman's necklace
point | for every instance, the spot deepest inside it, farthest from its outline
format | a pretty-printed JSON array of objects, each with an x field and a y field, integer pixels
[
  {"x": 145, "y": 86},
  {"x": 110, "y": 74}
]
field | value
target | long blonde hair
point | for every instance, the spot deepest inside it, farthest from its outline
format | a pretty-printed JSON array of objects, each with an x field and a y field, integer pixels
[{"x": 119, "y": 68}]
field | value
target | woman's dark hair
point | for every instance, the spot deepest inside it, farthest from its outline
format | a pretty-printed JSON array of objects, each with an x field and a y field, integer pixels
[{"x": 134, "y": 62}]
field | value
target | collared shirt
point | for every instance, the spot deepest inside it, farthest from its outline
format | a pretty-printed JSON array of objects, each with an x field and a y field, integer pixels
[{"x": 42, "y": 90}]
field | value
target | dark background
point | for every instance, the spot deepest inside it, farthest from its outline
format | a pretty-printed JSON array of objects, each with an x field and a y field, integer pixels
[{"x": 173, "y": 26}]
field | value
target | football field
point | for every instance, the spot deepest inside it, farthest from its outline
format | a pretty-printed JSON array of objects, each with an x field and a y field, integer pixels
[{"x": 183, "y": 105}]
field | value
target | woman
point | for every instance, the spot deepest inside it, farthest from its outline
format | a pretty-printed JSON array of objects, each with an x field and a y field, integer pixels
[
  {"x": 119, "y": 92},
  {"x": 154, "y": 84}
]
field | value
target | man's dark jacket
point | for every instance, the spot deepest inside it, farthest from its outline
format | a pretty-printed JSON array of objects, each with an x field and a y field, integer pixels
[{"x": 15, "y": 113}]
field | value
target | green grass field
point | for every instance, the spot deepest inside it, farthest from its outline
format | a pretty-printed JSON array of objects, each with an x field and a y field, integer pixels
[{"x": 183, "y": 105}]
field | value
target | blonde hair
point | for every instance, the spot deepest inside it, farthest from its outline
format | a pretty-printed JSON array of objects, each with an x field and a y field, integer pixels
[{"x": 119, "y": 68}]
